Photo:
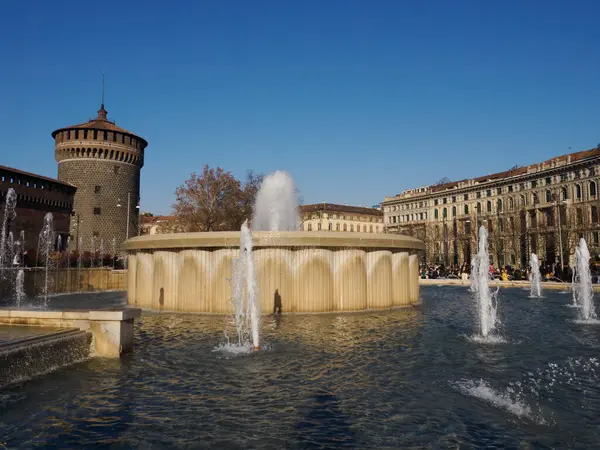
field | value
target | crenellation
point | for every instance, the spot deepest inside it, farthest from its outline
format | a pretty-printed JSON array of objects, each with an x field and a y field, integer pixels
[{"x": 104, "y": 162}]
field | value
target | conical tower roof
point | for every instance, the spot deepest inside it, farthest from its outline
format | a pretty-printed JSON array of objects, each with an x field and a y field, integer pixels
[{"x": 100, "y": 123}]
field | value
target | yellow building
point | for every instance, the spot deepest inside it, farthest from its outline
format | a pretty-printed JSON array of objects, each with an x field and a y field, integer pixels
[
  {"x": 330, "y": 217},
  {"x": 543, "y": 208}
]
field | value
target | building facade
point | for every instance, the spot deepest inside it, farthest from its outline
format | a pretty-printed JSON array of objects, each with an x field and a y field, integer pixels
[
  {"x": 104, "y": 162},
  {"x": 331, "y": 217},
  {"x": 36, "y": 196},
  {"x": 543, "y": 208},
  {"x": 158, "y": 224}
]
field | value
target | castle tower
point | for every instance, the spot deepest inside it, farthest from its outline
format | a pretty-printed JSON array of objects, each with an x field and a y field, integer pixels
[{"x": 103, "y": 161}]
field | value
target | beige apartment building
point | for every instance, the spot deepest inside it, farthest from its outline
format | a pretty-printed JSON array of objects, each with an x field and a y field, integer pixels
[
  {"x": 543, "y": 208},
  {"x": 157, "y": 224},
  {"x": 331, "y": 217}
]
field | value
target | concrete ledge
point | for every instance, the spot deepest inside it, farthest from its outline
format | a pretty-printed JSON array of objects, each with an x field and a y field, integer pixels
[
  {"x": 120, "y": 314},
  {"x": 267, "y": 239},
  {"x": 112, "y": 329},
  {"x": 27, "y": 357},
  {"x": 36, "y": 338}
]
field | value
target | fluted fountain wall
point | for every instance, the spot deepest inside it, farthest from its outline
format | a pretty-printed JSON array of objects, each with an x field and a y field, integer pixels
[{"x": 311, "y": 271}]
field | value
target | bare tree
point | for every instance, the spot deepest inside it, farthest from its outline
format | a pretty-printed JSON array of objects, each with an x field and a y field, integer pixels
[
  {"x": 434, "y": 241},
  {"x": 248, "y": 197},
  {"x": 214, "y": 201}
]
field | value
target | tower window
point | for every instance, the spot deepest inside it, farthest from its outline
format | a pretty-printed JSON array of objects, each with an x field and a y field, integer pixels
[
  {"x": 116, "y": 168},
  {"x": 96, "y": 211},
  {"x": 97, "y": 189}
]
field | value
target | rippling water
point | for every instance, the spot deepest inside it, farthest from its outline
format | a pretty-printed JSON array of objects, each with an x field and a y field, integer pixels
[{"x": 409, "y": 378}]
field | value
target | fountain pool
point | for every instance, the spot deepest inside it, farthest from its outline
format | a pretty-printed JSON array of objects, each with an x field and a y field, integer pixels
[
  {"x": 299, "y": 271},
  {"x": 397, "y": 378}
]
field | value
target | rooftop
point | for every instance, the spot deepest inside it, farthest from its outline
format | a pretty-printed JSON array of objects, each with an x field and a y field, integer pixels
[
  {"x": 515, "y": 171},
  {"x": 102, "y": 123},
  {"x": 34, "y": 175},
  {"x": 340, "y": 208},
  {"x": 154, "y": 219}
]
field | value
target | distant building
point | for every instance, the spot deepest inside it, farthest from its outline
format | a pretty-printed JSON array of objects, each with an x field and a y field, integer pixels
[
  {"x": 36, "y": 196},
  {"x": 104, "y": 162},
  {"x": 331, "y": 217},
  {"x": 520, "y": 208},
  {"x": 157, "y": 224}
]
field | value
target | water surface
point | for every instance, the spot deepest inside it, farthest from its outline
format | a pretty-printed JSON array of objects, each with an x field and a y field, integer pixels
[{"x": 407, "y": 378}]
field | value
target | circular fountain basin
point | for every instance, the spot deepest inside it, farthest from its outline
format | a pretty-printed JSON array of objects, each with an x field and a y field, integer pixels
[{"x": 306, "y": 271}]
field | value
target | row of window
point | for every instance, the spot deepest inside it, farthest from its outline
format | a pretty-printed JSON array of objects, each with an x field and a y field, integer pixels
[
  {"x": 500, "y": 190},
  {"x": 439, "y": 248},
  {"x": 524, "y": 200},
  {"x": 344, "y": 217},
  {"x": 27, "y": 182},
  {"x": 119, "y": 138},
  {"x": 345, "y": 227},
  {"x": 21, "y": 198},
  {"x": 582, "y": 217}
]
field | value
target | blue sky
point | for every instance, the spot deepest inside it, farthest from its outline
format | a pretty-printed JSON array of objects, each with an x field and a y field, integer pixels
[{"x": 356, "y": 99}]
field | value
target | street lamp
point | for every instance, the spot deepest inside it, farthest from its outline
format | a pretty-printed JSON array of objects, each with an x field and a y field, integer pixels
[
  {"x": 128, "y": 210},
  {"x": 557, "y": 204},
  {"x": 467, "y": 255},
  {"x": 444, "y": 211},
  {"x": 78, "y": 221}
]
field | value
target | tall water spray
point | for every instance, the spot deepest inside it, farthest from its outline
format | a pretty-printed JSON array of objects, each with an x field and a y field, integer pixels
[
  {"x": 69, "y": 252},
  {"x": 583, "y": 291},
  {"x": 10, "y": 249},
  {"x": 480, "y": 276},
  {"x": 536, "y": 277},
  {"x": 46, "y": 245},
  {"x": 276, "y": 205},
  {"x": 79, "y": 253},
  {"x": 17, "y": 262},
  {"x": 9, "y": 214},
  {"x": 245, "y": 292},
  {"x": 251, "y": 288},
  {"x": 93, "y": 252},
  {"x": 101, "y": 263},
  {"x": 114, "y": 251},
  {"x": 19, "y": 287}
]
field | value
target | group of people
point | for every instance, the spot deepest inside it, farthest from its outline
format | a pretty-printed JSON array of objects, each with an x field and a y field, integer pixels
[{"x": 549, "y": 272}]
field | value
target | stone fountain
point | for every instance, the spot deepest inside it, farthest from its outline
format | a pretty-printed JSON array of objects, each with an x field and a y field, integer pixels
[
  {"x": 41, "y": 327},
  {"x": 306, "y": 272}
]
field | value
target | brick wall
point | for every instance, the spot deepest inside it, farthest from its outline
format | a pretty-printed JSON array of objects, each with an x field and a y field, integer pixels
[{"x": 102, "y": 184}]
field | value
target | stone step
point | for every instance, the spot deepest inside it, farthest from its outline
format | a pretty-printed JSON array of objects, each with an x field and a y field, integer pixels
[{"x": 32, "y": 356}]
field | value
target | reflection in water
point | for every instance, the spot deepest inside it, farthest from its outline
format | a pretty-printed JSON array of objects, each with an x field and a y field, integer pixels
[
  {"x": 381, "y": 379},
  {"x": 277, "y": 303},
  {"x": 325, "y": 424}
]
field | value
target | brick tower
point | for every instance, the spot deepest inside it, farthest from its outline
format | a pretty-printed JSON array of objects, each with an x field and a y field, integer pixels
[{"x": 103, "y": 161}]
